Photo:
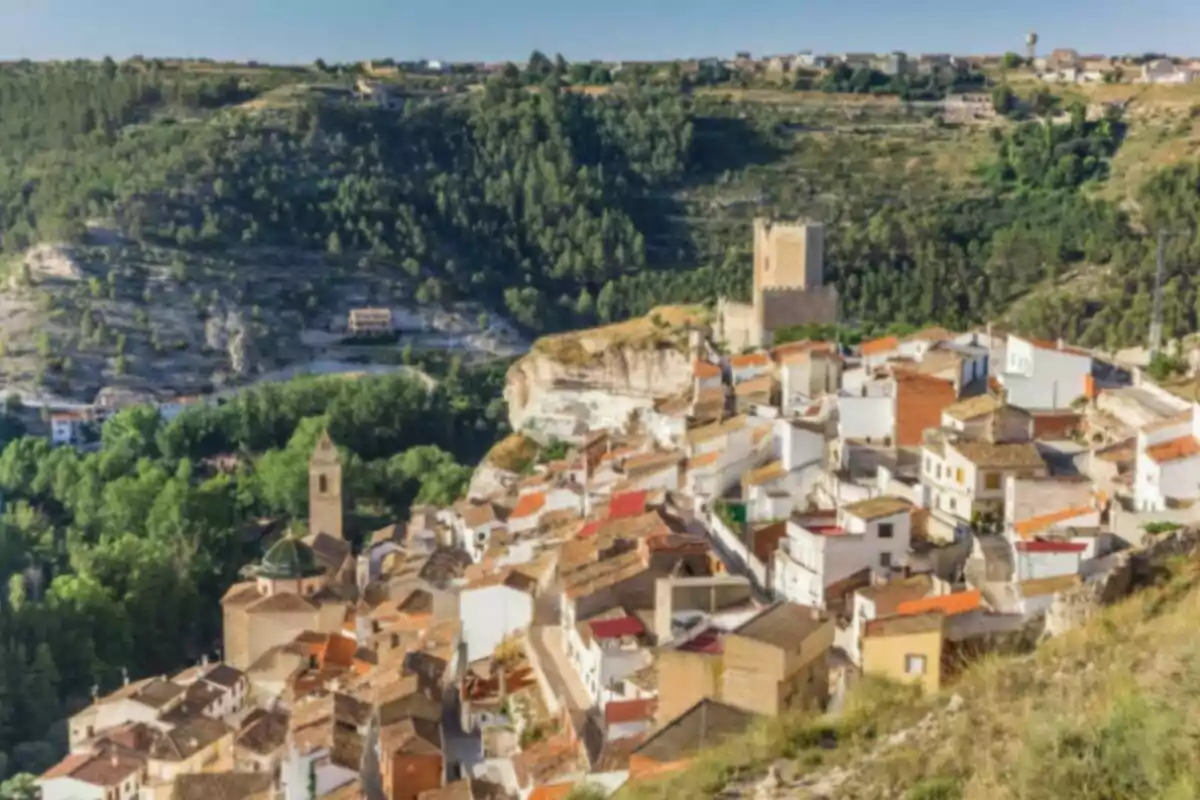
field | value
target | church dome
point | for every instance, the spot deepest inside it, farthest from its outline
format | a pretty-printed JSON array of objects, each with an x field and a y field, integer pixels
[{"x": 289, "y": 559}]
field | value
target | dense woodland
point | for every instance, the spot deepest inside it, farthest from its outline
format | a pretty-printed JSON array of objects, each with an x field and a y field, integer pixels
[
  {"x": 117, "y": 559},
  {"x": 561, "y": 208}
]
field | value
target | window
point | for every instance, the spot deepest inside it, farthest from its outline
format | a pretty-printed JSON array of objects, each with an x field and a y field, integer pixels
[
  {"x": 952, "y": 504},
  {"x": 928, "y": 464},
  {"x": 885, "y": 560},
  {"x": 322, "y": 484},
  {"x": 939, "y": 471},
  {"x": 991, "y": 480},
  {"x": 914, "y": 665},
  {"x": 885, "y": 530},
  {"x": 960, "y": 476}
]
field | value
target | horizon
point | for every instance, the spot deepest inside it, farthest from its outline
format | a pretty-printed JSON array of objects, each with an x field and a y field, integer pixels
[{"x": 254, "y": 30}]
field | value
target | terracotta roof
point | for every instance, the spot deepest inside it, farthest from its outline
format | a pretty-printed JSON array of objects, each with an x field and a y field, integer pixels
[
  {"x": 888, "y": 596},
  {"x": 707, "y": 432},
  {"x": 784, "y": 625},
  {"x": 1045, "y": 546},
  {"x": 619, "y": 711},
  {"x": 749, "y": 360},
  {"x": 222, "y": 786},
  {"x": 554, "y": 791},
  {"x": 757, "y": 385},
  {"x": 879, "y": 346},
  {"x": 706, "y": 460},
  {"x": 98, "y": 769},
  {"x": 651, "y": 462},
  {"x": 478, "y": 515},
  {"x": 704, "y": 725},
  {"x": 948, "y": 604},
  {"x": 706, "y": 369},
  {"x": 263, "y": 732},
  {"x": 1182, "y": 418},
  {"x": 628, "y": 504},
  {"x": 528, "y": 505},
  {"x": 411, "y": 736},
  {"x": 972, "y": 407},
  {"x": 1174, "y": 450},
  {"x": 602, "y": 574},
  {"x": 920, "y": 400},
  {"x": 878, "y": 507},
  {"x": 1035, "y": 525},
  {"x": 616, "y": 628},
  {"x": 459, "y": 790},
  {"x": 1039, "y": 587},
  {"x": 1000, "y": 455},
  {"x": 932, "y": 334},
  {"x": 904, "y": 625},
  {"x": 764, "y": 474}
]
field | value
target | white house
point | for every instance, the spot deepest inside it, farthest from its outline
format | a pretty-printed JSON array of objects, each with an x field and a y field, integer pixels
[
  {"x": 705, "y": 376},
  {"x": 1041, "y": 375},
  {"x": 93, "y": 776},
  {"x": 870, "y": 413},
  {"x": 1167, "y": 465},
  {"x": 877, "y": 352},
  {"x": 1162, "y": 70},
  {"x": 1047, "y": 559},
  {"x": 871, "y": 534},
  {"x": 168, "y": 410},
  {"x": 532, "y": 506},
  {"x": 967, "y": 478},
  {"x": 749, "y": 366},
  {"x": 720, "y": 453},
  {"x": 605, "y": 650},
  {"x": 494, "y": 608},
  {"x": 68, "y": 427},
  {"x": 473, "y": 525},
  {"x": 772, "y": 491},
  {"x": 919, "y": 594},
  {"x": 806, "y": 370}
]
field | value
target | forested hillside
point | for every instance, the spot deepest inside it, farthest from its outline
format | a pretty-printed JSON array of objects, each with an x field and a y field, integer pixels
[
  {"x": 562, "y": 208},
  {"x": 117, "y": 559}
]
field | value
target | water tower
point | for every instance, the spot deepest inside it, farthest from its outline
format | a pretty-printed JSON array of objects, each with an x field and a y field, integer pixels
[{"x": 1031, "y": 46}]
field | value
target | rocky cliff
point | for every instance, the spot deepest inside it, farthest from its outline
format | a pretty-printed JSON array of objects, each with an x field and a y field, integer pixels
[{"x": 573, "y": 382}]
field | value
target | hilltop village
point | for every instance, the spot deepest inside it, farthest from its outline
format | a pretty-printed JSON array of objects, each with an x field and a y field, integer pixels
[{"x": 697, "y": 525}]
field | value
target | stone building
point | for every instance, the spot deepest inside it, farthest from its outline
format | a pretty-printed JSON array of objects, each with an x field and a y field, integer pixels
[
  {"x": 300, "y": 584},
  {"x": 789, "y": 288}
]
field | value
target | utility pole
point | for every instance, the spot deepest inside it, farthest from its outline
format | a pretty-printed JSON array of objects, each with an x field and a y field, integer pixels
[{"x": 1156, "y": 321}]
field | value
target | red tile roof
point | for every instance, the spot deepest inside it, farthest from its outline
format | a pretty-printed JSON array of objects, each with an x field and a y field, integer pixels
[
  {"x": 749, "y": 360},
  {"x": 705, "y": 369},
  {"x": 528, "y": 505},
  {"x": 1174, "y": 450},
  {"x": 948, "y": 604},
  {"x": 1026, "y": 528},
  {"x": 879, "y": 346},
  {"x": 589, "y": 529},
  {"x": 620, "y": 711},
  {"x": 629, "y": 504},
  {"x": 920, "y": 400},
  {"x": 710, "y": 641},
  {"x": 616, "y": 628},
  {"x": 1042, "y": 546}
]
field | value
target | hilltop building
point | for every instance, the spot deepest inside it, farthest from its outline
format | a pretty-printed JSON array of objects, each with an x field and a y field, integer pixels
[{"x": 789, "y": 289}]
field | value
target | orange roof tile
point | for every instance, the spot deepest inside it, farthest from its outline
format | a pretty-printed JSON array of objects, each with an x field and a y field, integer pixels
[
  {"x": 1174, "y": 450},
  {"x": 555, "y": 791},
  {"x": 1027, "y": 528},
  {"x": 879, "y": 346},
  {"x": 528, "y": 505},
  {"x": 706, "y": 460},
  {"x": 948, "y": 604},
  {"x": 920, "y": 400},
  {"x": 749, "y": 360},
  {"x": 706, "y": 369}
]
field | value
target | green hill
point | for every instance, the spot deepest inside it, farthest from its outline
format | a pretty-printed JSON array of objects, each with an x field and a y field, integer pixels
[{"x": 551, "y": 205}]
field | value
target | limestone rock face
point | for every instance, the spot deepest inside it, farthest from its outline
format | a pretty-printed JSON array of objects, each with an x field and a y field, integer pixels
[{"x": 596, "y": 378}]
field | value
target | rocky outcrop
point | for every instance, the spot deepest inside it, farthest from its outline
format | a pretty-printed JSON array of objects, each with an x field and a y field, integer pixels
[{"x": 572, "y": 383}]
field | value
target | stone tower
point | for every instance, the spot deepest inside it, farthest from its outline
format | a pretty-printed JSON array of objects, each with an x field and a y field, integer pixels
[
  {"x": 788, "y": 255},
  {"x": 325, "y": 489}
]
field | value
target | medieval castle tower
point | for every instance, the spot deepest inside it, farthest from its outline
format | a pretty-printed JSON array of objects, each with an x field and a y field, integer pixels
[{"x": 789, "y": 286}]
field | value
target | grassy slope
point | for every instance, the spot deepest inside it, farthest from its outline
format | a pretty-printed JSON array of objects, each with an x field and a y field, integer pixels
[{"x": 1107, "y": 712}]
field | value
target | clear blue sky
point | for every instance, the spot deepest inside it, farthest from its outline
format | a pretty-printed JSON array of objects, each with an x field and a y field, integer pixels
[{"x": 492, "y": 30}]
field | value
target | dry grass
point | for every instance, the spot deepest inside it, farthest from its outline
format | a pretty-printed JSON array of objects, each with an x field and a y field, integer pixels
[
  {"x": 514, "y": 453},
  {"x": 663, "y": 326},
  {"x": 790, "y": 97},
  {"x": 1108, "y": 712}
]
